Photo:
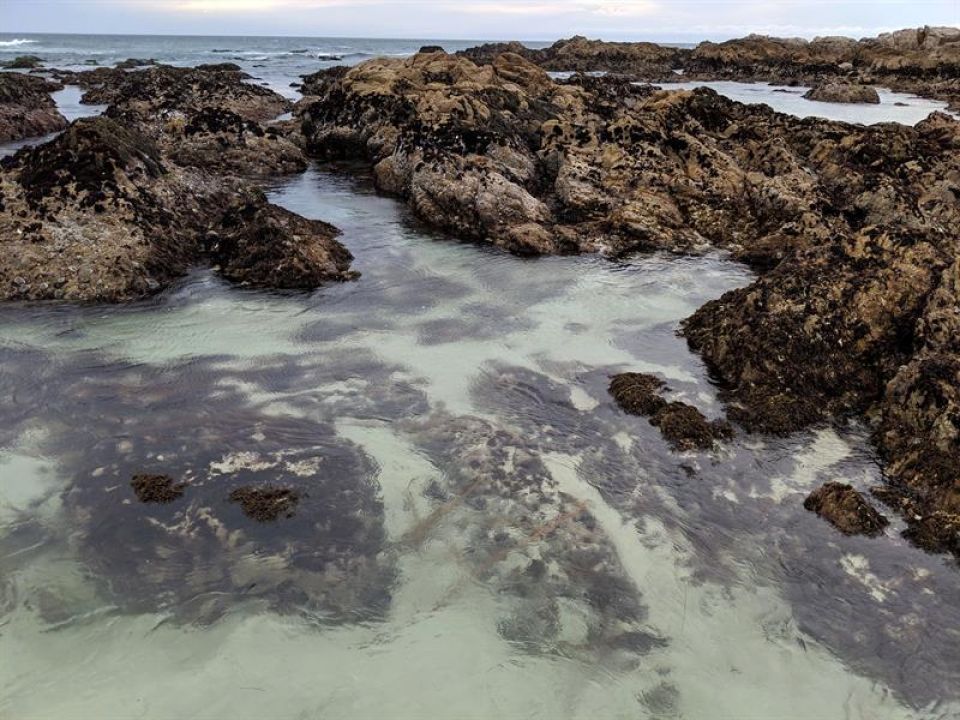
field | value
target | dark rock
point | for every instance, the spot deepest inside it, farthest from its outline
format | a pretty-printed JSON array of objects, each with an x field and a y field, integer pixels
[
  {"x": 266, "y": 503},
  {"x": 156, "y": 488},
  {"x": 151, "y": 93},
  {"x": 262, "y": 245},
  {"x": 131, "y": 63},
  {"x": 686, "y": 428},
  {"x": 101, "y": 198},
  {"x": 431, "y": 49},
  {"x": 638, "y": 393},
  {"x": 938, "y": 532},
  {"x": 26, "y": 108},
  {"x": 844, "y": 508},
  {"x": 681, "y": 424},
  {"x": 25, "y": 62}
]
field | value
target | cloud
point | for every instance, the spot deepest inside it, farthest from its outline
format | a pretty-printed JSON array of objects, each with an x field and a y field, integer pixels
[{"x": 677, "y": 20}]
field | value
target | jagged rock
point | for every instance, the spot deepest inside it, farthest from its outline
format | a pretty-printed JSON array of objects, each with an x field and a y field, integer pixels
[
  {"x": 681, "y": 424},
  {"x": 26, "y": 108},
  {"x": 845, "y": 509},
  {"x": 262, "y": 245},
  {"x": 163, "y": 89},
  {"x": 638, "y": 393},
  {"x": 922, "y": 60},
  {"x": 24, "y": 62},
  {"x": 581, "y": 54},
  {"x": 151, "y": 488},
  {"x": 502, "y": 154},
  {"x": 222, "y": 141},
  {"x": 98, "y": 215},
  {"x": 862, "y": 323},
  {"x": 266, "y": 503},
  {"x": 843, "y": 93},
  {"x": 131, "y": 63}
]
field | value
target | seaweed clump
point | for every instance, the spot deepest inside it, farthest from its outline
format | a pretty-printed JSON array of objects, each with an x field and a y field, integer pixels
[
  {"x": 160, "y": 489},
  {"x": 267, "y": 503},
  {"x": 685, "y": 427},
  {"x": 845, "y": 509}
]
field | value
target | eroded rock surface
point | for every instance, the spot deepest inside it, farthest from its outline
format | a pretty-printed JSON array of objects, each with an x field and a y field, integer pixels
[
  {"x": 683, "y": 425},
  {"x": 501, "y": 153},
  {"x": 923, "y": 60},
  {"x": 837, "y": 92},
  {"x": 98, "y": 214},
  {"x": 26, "y": 108},
  {"x": 845, "y": 509},
  {"x": 865, "y": 322}
]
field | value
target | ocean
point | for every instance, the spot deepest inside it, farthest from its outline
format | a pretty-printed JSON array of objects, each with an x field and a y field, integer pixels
[{"x": 689, "y": 585}]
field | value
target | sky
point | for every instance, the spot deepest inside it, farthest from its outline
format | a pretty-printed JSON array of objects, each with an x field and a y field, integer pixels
[{"x": 680, "y": 20}]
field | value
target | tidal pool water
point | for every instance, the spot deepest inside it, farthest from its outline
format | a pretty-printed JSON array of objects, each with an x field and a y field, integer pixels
[
  {"x": 895, "y": 107},
  {"x": 482, "y": 532}
]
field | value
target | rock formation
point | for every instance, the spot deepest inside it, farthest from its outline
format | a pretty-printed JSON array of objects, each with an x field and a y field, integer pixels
[
  {"x": 838, "y": 92},
  {"x": 845, "y": 509},
  {"x": 925, "y": 60},
  {"x": 26, "y": 108},
  {"x": 99, "y": 215},
  {"x": 682, "y": 425},
  {"x": 500, "y": 153},
  {"x": 853, "y": 227}
]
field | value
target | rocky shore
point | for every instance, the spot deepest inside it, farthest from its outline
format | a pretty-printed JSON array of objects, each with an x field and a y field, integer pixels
[
  {"x": 923, "y": 60},
  {"x": 26, "y": 108},
  {"x": 118, "y": 206},
  {"x": 852, "y": 228}
]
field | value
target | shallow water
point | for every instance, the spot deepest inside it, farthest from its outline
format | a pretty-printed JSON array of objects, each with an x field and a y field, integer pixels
[
  {"x": 484, "y": 534},
  {"x": 895, "y": 107},
  {"x": 68, "y": 102}
]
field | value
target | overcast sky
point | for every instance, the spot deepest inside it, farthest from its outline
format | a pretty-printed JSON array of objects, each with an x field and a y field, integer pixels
[{"x": 478, "y": 19}]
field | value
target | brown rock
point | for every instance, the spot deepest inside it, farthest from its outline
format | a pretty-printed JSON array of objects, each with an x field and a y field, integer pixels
[
  {"x": 99, "y": 215},
  {"x": 156, "y": 488},
  {"x": 266, "y": 503},
  {"x": 837, "y": 92},
  {"x": 682, "y": 425},
  {"x": 638, "y": 393},
  {"x": 845, "y": 509},
  {"x": 26, "y": 108}
]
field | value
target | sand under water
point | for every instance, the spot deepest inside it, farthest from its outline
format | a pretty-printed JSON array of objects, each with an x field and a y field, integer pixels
[{"x": 478, "y": 531}]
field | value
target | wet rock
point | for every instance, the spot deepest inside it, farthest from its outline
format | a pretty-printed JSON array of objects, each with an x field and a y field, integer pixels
[
  {"x": 163, "y": 89},
  {"x": 431, "y": 49},
  {"x": 581, "y": 54},
  {"x": 98, "y": 214},
  {"x": 502, "y": 154},
  {"x": 267, "y": 503},
  {"x": 131, "y": 63},
  {"x": 262, "y": 245},
  {"x": 682, "y": 425},
  {"x": 921, "y": 60},
  {"x": 24, "y": 62},
  {"x": 26, "y": 108},
  {"x": 527, "y": 540},
  {"x": 199, "y": 556},
  {"x": 938, "y": 532},
  {"x": 686, "y": 428},
  {"x": 638, "y": 393},
  {"x": 156, "y": 488},
  {"x": 222, "y": 141},
  {"x": 836, "y": 92},
  {"x": 845, "y": 508}
]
